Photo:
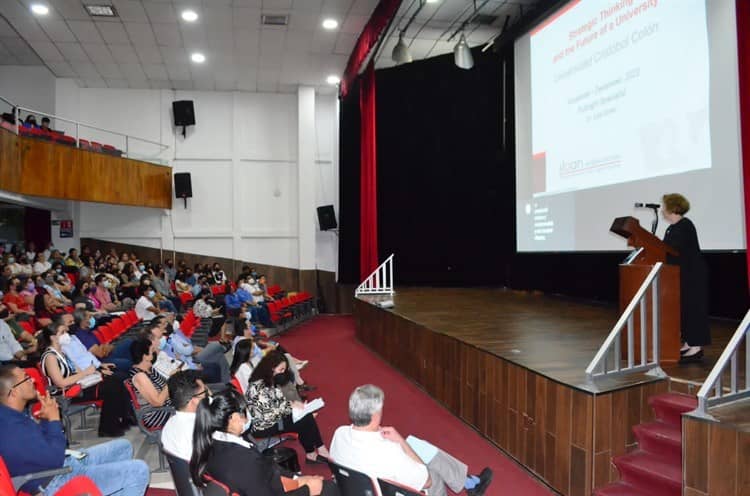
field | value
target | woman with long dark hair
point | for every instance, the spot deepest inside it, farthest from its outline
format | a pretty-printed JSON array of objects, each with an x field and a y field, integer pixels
[
  {"x": 220, "y": 451},
  {"x": 150, "y": 387},
  {"x": 246, "y": 357},
  {"x": 272, "y": 411}
]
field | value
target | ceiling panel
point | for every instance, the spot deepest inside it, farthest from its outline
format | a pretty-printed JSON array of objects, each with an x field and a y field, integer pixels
[{"x": 148, "y": 45}]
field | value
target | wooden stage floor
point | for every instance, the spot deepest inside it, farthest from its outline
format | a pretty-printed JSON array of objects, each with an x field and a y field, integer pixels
[{"x": 553, "y": 336}]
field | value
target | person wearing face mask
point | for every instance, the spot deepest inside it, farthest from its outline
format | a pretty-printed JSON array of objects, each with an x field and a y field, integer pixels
[
  {"x": 15, "y": 267},
  {"x": 150, "y": 387},
  {"x": 221, "y": 450},
  {"x": 13, "y": 300},
  {"x": 84, "y": 324},
  {"x": 103, "y": 294},
  {"x": 62, "y": 373},
  {"x": 157, "y": 298},
  {"x": 272, "y": 412},
  {"x": 170, "y": 272},
  {"x": 145, "y": 307}
]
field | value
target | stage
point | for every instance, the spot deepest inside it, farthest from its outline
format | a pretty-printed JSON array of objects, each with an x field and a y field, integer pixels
[{"x": 511, "y": 364}]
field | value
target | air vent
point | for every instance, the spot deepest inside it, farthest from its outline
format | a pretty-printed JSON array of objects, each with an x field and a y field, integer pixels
[
  {"x": 484, "y": 19},
  {"x": 101, "y": 10},
  {"x": 274, "y": 20}
]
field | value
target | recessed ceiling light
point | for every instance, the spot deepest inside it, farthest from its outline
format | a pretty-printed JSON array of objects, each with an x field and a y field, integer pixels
[
  {"x": 101, "y": 10},
  {"x": 432, "y": 1},
  {"x": 330, "y": 24},
  {"x": 333, "y": 79},
  {"x": 189, "y": 15},
  {"x": 40, "y": 9},
  {"x": 198, "y": 58}
]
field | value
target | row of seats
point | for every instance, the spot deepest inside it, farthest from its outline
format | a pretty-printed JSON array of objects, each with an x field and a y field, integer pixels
[
  {"x": 77, "y": 486},
  {"x": 62, "y": 139},
  {"x": 117, "y": 327},
  {"x": 287, "y": 311}
]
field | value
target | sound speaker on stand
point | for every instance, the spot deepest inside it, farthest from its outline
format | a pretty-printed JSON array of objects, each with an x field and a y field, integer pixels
[
  {"x": 183, "y": 187},
  {"x": 184, "y": 114},
  {"x": 327, "y": 218}
]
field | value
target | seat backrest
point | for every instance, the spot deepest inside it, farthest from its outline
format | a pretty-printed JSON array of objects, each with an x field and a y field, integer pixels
[
  {"x": 236, "y": 384},
  {"x": 216, "y": 488},
  {"x": 352, "y": 482},
  {"x": 130, "y": 388},
  {"x": 180, "y": 475},
  {"x": 391, "y": 488},
  {"x": 6, "y": 483}
]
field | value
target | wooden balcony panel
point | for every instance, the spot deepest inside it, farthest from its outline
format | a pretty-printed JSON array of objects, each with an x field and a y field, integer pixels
[{"x": 34, "y": 167}]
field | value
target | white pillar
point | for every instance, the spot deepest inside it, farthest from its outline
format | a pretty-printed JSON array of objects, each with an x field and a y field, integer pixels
[{"x": 306, "y": 177}]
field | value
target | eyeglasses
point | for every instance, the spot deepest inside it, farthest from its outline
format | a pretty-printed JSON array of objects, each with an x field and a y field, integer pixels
[
  {"x": 26, "y": 378},
  {"x": 205, "y": 391}
]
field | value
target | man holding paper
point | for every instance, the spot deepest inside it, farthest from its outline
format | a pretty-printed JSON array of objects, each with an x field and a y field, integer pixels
[{"x": 381, "y": 452}]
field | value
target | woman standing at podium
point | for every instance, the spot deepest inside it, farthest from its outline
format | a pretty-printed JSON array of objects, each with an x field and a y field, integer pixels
[{"x": 682, "y": 236}]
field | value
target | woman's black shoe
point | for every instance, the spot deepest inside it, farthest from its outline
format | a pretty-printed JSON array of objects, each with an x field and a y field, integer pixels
[{"x": 694, "y": 358}]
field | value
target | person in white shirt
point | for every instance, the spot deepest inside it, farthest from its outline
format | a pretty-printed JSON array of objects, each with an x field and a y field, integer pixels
[
  {"x": 186, "y": 390},
  {"x": 145, "y": 308},
  {"x": 10, "y": 348},
  {"x": 247, "y": 355},
  {"x": 41, "y": 265},
  {"x": 381, "y": 452}
]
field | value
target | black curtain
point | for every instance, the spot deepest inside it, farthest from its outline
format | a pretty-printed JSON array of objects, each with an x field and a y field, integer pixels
[{"x": 446, "y": 190}]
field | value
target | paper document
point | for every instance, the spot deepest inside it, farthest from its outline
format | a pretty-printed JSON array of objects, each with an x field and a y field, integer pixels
[
  {"x": 165, "y": 365},
  {"x": 424, "y": 450},
  {"x": 313, "y": 406},
  {"x": 90, "y": 380}
]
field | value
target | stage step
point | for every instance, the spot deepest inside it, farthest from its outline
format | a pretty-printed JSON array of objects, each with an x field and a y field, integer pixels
[
  {"x": 669, "y": 407},
  {"x": 660, "y": 438},
  {"x": 655, "y": 468},
  {"x": 620, "y": 489},
  {"x": 650, "y": 472}
]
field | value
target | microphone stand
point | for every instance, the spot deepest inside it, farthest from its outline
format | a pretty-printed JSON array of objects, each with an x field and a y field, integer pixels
[{"x": 655, "y": 223}]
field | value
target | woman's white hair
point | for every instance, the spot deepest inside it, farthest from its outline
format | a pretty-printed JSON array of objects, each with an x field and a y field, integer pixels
[{"x": 364, "y": 401}]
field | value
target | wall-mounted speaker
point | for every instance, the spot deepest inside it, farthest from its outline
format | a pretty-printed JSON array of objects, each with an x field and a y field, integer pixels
[
  {"x": 183, "y": 187},
  {"x": 327, "y": 218},
  {"x": 183, "y": 113}
]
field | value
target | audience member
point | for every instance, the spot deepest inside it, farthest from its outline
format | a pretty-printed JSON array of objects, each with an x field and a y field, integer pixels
[
  {"x": 381, "y": 452},
  {"x": 41, "y": 265},
  {"x": 186, "y": 390},
  {"x": 29, "y": 446},
  {"x": 10, "y": 349},
  {"x": 45, "y": 124},
  {"x": 73, "y": 260},
  {"x": 221, "y": 452},
  {"x": 271, "y": 411},
  {"x": 246, "y": 357},
  {"x": 145, "y": 307},
  {"x": 103, "y": 295},
  {"x": 150, "y": 387}
]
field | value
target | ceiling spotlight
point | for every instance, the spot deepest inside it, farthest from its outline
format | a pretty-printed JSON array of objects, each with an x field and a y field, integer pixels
[
  {"x": 330, "y": 24},
  {"x": 198, "y": 58},
  {"x": 462, "y": 54},
  {"x": 400, "y": 53},
  {"x": 333, "y": 80},
  {"x": 189, "y": 15},
  {"x": 432, "y": 1},
  {"x": 39, "y": 9}
]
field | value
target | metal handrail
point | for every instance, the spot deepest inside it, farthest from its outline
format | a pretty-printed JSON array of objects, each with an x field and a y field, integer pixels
[
  {"x": 599, "y": 365},
  {"x": 380, "y": 281},
  {"x": 729, "y": 357},
  {"x": 78, "y": 124}
]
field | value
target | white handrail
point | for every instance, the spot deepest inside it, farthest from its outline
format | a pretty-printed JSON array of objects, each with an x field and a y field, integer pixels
[
  {"x": 729, "y": 357},
  {"x": 127, "y": 137},
  {"x": 380, "y": 281},
  {"x": 612, "y": 345}
]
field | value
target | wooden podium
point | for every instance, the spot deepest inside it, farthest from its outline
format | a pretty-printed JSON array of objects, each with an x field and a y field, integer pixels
[{"x": 632, "y": 274}]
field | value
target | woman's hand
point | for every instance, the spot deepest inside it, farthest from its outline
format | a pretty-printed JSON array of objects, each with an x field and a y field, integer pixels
[
  {"x": 89, "y": 370},
  {"x": 298, "y": 405},
  {"x": 313, "y": 482}
]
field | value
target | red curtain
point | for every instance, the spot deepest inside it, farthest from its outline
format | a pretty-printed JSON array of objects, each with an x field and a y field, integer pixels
[
  {"x": 368, "y": 181},
  {"x": 379, "y": 20},
  {"x": 743, "y": 52}
]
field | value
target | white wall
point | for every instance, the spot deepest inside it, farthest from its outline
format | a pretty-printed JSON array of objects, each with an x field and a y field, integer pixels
[
  {"x": 28, "y": 86},
  {"x": 243, "y": 159}
]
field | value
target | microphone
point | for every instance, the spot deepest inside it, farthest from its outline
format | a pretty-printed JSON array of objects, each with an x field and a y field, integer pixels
[{"x": 647, "y": 205}]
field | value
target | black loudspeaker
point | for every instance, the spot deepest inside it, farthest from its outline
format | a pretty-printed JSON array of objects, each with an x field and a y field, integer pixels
[
  {"x": 183, "y": 187},
  {"x": 184, "y": 113},
  {"x": 327, "y": 218}
]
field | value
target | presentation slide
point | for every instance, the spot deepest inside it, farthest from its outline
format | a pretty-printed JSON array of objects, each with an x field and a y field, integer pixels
[{"x": 621, "y": 101}]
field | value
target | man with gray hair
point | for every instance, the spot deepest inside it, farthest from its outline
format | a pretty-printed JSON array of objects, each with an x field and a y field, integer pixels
[{"x": 381, "y": 452}]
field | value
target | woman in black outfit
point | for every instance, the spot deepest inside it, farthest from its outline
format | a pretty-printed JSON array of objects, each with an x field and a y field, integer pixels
[
  {"x": 220, "y": 452},
  {"x": 682, "y": 236}
]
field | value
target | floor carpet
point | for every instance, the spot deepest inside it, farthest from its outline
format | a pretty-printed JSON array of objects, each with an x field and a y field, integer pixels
[{"x": 339, "y": 363}]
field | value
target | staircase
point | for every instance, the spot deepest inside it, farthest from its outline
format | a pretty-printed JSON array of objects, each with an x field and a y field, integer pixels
[{"x": 655, "y": 468}]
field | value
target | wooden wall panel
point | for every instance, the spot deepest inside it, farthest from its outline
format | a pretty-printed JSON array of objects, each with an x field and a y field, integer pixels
[{"x": 39, "y": 168}]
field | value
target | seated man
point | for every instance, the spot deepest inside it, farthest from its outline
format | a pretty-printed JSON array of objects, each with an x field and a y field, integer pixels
[
  {"x": 76, "y": 352},
  {"x": 10, "y": 349},
  {"x": 83, "y": 329},
  {"x": 381, "y": 452},
  {"x": 28, "y": 446},
  {"x": 186, "y": 390}
]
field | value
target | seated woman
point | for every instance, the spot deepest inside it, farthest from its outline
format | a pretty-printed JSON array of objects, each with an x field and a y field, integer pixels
[
  {"x": 246, "y": 357},
  {"x": 220, "y": 452},
  {"x": 272, "y": 412},
  {"x": 150, "y": 387},
  {"x": 60, "y": 373},
  {"x": 103, "y": 295},
  {"x": 46, "y": 307}
]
